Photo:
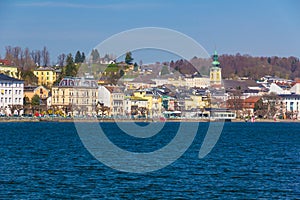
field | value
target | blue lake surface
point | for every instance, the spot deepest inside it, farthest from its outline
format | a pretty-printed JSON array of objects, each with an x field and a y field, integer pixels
[{"x": 47, "y": 160}]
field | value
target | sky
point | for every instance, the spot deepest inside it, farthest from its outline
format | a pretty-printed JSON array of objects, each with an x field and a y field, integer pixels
[{"x": 256, "y": 27}]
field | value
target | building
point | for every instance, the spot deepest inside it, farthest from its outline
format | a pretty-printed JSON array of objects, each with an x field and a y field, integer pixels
[
  {"x": 11, "y": 93},
  {"x": 41, "y": 91},
  {"x": 5, "y": 62},
  {"x": 118, "y": 102},
  {"x": 201, "y": 82},
  {"x": 46, "y": 76},
  {"x": 249, "y": 105},
  {"x": 215, "y": 71},
  {"x": 105, "y": 95},
  {"x": 75, "y": 96},
  {"x": 295, "y": 89},
  {"x": 10, "y": 71},
  {"x": 291, "y": 104}
]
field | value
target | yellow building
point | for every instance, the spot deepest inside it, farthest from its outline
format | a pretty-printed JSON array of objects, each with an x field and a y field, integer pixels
[
  {"x": 196, "y": 102},
  {"x": 10, "y": 71},
  {"x": 215, "y": 71},
  {"x": 75, "y": 96},
  {"x": 46, "y": 75},
  {"x": 144, "y": 95},
  {"x": 41, "y": 91}
]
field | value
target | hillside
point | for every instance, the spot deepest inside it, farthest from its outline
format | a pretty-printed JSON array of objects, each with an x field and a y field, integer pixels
[{"x": 245, "y": 66}]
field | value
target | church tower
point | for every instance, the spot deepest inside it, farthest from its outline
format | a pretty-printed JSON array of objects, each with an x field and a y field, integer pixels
[{"x": 215, "y": 71}]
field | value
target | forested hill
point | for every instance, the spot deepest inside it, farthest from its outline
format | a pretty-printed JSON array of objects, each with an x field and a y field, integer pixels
[
  {"x": 238, "y": 65},
  {"x": 257, "y": 67}
]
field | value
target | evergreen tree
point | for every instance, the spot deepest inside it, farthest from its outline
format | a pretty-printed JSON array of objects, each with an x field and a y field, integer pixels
[
  {"x": 78, "y": 57},
  {"x": 128, "y": 58},
  {"x": 122, "y": 73},
  {"x": 70, "y": 69},
  {"x": 82, "y": 57},
  {"x": 136, "y": 67}
]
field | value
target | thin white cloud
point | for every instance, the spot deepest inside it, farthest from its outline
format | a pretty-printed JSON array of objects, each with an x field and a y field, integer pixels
[{"x": 88, "y": 6}]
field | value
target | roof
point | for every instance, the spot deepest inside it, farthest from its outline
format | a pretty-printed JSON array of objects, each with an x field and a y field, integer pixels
[
  {"x": 32, "y": 88},
  {"x": 45, "y": 69},
  {"x": 233, "y": 84},
  {"x": 109, "y": 88},
  {"x": 5, "y": 62},
  {"x": 4, "y": 77},
  {"x": 253, "y": 99}
]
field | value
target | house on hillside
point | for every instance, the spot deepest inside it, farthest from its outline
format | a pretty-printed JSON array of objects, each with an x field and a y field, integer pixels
[
  {"x": 10, "y": 71},
  {"x": 46, "y": 75}
]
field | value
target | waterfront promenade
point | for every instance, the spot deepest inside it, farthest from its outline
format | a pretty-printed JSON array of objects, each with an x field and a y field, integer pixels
[{"x": 93, "y": 119}]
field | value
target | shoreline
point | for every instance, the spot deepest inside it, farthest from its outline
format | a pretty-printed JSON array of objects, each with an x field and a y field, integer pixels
[{"x": 36, "y": 119}]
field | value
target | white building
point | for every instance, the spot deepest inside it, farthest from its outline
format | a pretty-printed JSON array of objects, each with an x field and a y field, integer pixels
[
  {"x": 201, "y": 82},
  {"x": 295, "y": 89},
  {"x": 274, "y": 88},
  {"x": 291, "y": 103},
  {"x": 104, "y": 95},
  {"x": 11, "y": 93},
  {"x": 112, "y": 97}
]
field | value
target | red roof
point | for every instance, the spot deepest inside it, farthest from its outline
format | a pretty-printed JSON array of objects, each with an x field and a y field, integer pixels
[
  {"x": 5, "y": 62},
  {"x": 253, "y": 99}
]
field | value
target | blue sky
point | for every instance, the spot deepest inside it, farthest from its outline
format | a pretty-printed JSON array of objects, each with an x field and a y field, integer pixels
[{"x": 258, "y": 27}]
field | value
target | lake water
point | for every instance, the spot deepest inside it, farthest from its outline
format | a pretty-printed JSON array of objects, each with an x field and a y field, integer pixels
[{"x": 250, "y": 160}]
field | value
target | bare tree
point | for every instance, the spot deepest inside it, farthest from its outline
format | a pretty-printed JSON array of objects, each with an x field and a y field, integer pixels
[
  {"x": 28, "y": 62},
  {"x": 45, "y": 57},
  {"x": 36, "y": 57},
  {"x": 61, "y": 59},
  {"x": 8, "y": 53}
]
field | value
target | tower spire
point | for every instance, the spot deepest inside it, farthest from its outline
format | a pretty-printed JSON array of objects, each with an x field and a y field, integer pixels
[{"x": 215, "y": 61}]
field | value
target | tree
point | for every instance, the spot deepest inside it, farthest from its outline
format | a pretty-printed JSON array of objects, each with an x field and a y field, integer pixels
[
  {"x": 82, "y": 57},
  {"x": 122, "y": 73},
  {"x": 78, "y": 57},
  {"x": 45, "y": 57},
  {"x": 95, "y": 56},
  {"x": 27, "y": 62},
  {"x": 61, "y": 59},
  {"x": 136, "y": 67},
  {"x": 128, "y": 58},
  {"x": 29, "y": 77},
  {"x": 70, "y": 69},
  {"x": 36, "y": 57},
  {"x": 35, "y": 101},
  {"x": 165, "y": 70}
]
